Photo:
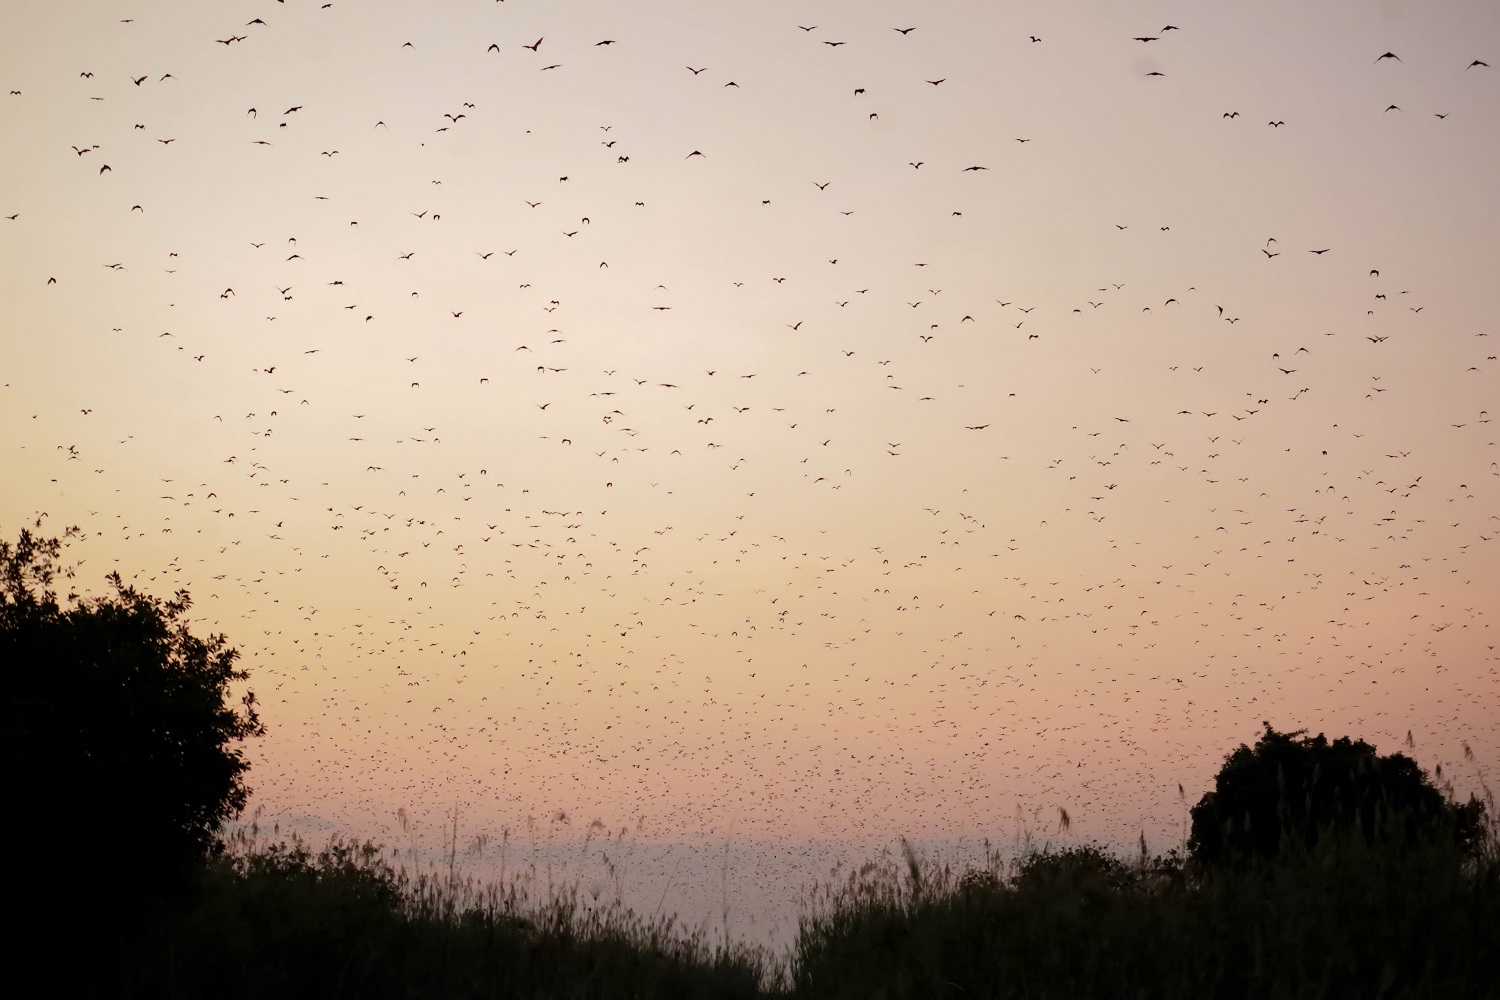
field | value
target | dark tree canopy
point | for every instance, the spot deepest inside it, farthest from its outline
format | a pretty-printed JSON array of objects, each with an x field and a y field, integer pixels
[
  {"x": 1293, "y": 789},
  {"x": 120, "y": 743}
]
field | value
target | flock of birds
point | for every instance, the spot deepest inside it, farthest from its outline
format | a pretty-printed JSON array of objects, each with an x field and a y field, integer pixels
[{"x": 572, "y": 425}]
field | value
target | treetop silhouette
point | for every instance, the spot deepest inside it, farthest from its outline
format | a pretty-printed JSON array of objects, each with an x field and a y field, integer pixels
[
  {"x": 1291, "y": 790},
  {"x": 116, "y": 724}
]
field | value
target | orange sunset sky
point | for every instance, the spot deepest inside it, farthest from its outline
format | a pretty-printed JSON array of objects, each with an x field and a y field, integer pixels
[{"x": 797, "y": 424}]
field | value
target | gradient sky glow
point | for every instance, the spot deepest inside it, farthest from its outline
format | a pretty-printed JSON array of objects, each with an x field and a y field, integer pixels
[{"x": 791, "y": 491}]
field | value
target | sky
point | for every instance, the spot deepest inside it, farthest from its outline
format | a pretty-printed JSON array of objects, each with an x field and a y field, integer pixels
[{"x": 790, "y": 426}]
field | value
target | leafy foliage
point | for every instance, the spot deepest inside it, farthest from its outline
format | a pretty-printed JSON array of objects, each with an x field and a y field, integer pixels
[
  {"x": 1290, "y": 791},
  {"x": 112, "y": 714},
  {"x": 1079, "y": 867}
]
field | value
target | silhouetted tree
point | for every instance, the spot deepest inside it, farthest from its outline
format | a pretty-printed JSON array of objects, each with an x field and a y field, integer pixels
[
  {"x": 1291, "y": 789},
  {"x": 119, "y": 741}
]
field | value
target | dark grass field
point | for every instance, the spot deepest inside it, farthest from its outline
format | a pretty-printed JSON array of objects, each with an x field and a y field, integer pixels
[{"x": 279, "y": 920}]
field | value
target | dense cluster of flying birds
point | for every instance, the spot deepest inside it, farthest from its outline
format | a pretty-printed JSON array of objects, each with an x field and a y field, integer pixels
[{"x": 563, "y": 495}]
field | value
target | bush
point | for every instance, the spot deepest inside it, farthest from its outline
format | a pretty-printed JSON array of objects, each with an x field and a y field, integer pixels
[
  {"x": 115, "y": 725},
  {"x": 1290, "y": 791}
]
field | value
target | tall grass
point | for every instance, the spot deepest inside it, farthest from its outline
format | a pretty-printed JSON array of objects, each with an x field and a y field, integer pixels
[
  {"x": 1344, "y": 918},
  {"x": 280, "y": 920}
]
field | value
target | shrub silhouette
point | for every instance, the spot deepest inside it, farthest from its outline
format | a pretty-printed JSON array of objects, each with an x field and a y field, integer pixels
[
  {"x": 114, "y": 728},
  {"x": 1290, "y": 791},
  {"x": 1080, "y": 867}
]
